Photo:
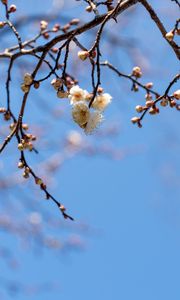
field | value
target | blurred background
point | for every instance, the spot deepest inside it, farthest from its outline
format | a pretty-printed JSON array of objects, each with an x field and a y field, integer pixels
[{"x": 121, "y": 184}]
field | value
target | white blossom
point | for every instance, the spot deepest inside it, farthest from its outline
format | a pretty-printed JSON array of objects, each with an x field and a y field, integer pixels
[
  {"x": 95, "y": 119},
  {"x": 77, "y": 94},
  {"x": 80, "y": 113},
  {"x": 101, "y": 101}
]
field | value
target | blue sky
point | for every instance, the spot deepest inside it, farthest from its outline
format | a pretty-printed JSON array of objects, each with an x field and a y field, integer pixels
[{"x": 131, "y": 205}]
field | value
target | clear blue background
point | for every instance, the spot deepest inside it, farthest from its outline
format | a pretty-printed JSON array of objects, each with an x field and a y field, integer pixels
[{"x": 131, "y": 204}]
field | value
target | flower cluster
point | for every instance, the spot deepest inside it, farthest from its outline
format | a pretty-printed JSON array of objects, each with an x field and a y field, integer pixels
[
  {"x": 57, "y": 84},
  {"x": 151, "y": 105},
  {"x": 87, "y": 118},
  {"x": 45, "y": 31},
  {"x": 26, "y": 141}
]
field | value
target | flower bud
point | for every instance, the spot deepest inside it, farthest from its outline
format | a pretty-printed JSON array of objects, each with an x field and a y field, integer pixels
[
  {"x": 27, "y": 170},
  {"x": 139, "y": 108},
  {"x": 25, "y": 88},
  {"x": 38, "y": 181},
  {"x": 56, "y": 83},
  {"x": 169, "y": 36},
  {"x": 137, "y": 72},
  {"x": 36, "y": 84},
  {"x": 12, "y": 8},
  {"x": 66, "y": 27},
  {"x": 56, "y": 27},
  {"x": 46, "y": 35},
  {"x": 43, "y": 187},
  {"x": 149, "y": 103},
  {"x": 154, "y": 110},
  {"x": 164, "y": 102},
  {"x": 12, "y": 126},
  {"x": 149, "y": 85},
  {"x": 135, "y": 120},
  {"x": 43, "y": 25},
  {"x": 62, "y": 94},
  {"x": 2, "y": 110},
  {"x": 25, "y": 126},
  {"x": 88, "y": 8},
  {"x": 20, "y": 165},
  {"x": 54, "y": 49},
  {"x": 33, "y": 138},
  {"x": 62, "y": 208},
  {"x": 2, "y": 24},
  {"x": 172, "y": 103},
  {"x": 20, "y": 146},
  {"x": 28, "y": 79},
  {"x": 135, "y": 88},
  {"x": 7, "y": 116},
  {"x": 83, "y": 55},
  {"x": 25, "y": 175},
  {"x": 74, "y": 22},
  {"x": 100, "y": 90},
  {"x": 176, "y": 95}
]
